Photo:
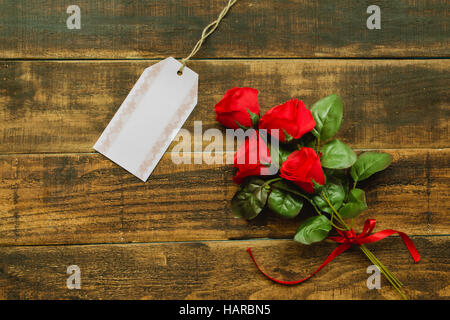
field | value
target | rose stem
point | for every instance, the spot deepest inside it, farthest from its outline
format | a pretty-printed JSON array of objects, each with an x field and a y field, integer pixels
[
  {"x": 343, "y": 223},
  {"x": 272, "y": 180},
  {"x": 389, "y": 276},
  {"x": 380, "y": 264}
]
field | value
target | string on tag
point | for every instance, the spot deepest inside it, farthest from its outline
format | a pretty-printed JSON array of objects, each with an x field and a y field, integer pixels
[{"x": 209, "y": 29}]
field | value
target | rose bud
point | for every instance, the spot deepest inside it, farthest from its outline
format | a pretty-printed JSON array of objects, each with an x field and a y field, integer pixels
[
  {"x": 291, "y": 117},
  {"x": 301, "y": 167},
  {"x": 235, "y": 106},
  {"x": 252, "y": 158}
]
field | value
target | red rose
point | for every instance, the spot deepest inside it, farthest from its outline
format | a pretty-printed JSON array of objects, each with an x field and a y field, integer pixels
[
  {"x": 301, "y": 167},
  {"x": 235, "y": 105},
  {"x": 252, "y": 158},
  {"x": 292, "y": 116}
]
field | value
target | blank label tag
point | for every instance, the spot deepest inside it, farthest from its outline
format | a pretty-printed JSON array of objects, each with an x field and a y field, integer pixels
[{"x": 150, "y": 118}]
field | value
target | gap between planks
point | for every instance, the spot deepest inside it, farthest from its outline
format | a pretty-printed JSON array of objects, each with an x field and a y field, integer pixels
[{"x": 188, "y": 241}]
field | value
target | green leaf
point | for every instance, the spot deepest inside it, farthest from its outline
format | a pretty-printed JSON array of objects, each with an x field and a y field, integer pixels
[
  {"x": 337, "y": 155},
  {"x": 254, "y": 117},
  {"x": 340, "y": 175},
  {"x": 356, "y": 205},
  {"x": 335, "y": 194},
  {"x": 369, "y": 163},
  {"x": 357, "y": 195},
  {"x": 284, "y": 203},
  {"x": 250, "y": 199},
  {"x": 315, "y": 133},
  {"x": 327, "y": 113},
  {"x": 287, "y": 186},
  {"x": 312, "y": 230}
]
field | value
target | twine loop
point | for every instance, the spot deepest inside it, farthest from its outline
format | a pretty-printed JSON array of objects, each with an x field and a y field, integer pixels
[{"x": 207, "y": 31}]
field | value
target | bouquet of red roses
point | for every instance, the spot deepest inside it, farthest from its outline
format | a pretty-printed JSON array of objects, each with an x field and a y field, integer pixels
[{"x": 289, "y": 157}]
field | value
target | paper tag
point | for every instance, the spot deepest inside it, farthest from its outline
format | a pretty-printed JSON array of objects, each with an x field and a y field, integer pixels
[{"x": 150, "y": 117}]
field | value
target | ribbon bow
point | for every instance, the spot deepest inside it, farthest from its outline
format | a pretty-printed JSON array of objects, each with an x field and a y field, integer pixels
[{"x": 346, "y": 240}]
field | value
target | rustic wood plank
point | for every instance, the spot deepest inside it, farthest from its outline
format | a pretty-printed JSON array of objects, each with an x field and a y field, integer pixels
[
  {"x": 85, "y": 198},
  {"x": 220, "y": 270},
  {"x": 64, "y": 106},
  {"x": 254, "y": 28}
]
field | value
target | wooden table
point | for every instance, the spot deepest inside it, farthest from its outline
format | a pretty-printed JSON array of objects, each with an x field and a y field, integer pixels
[{"x": 174, "y": 237}]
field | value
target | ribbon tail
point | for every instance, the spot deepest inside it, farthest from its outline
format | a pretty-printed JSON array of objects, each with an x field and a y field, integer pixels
[
  {"x": 410, "y": 245},
  {"x": 388, "y": 232},
  {"x": 336, "y": 252}
]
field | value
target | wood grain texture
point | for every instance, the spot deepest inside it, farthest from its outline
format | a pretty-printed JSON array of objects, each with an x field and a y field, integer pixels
[
  {"x": 64, "y": 106},
  {"x": 85, "y": 198},
  {"x": 119, "y": 29},
  {"x": 220, "y": 270},
  {"x": 63, "y": 204}
]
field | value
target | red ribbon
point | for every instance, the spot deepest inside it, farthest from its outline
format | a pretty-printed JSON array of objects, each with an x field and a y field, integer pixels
[{"x": 346, "y": 240}]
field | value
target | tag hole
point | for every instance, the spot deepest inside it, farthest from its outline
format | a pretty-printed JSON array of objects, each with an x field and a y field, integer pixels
[{"x": 179, "y": 72}]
